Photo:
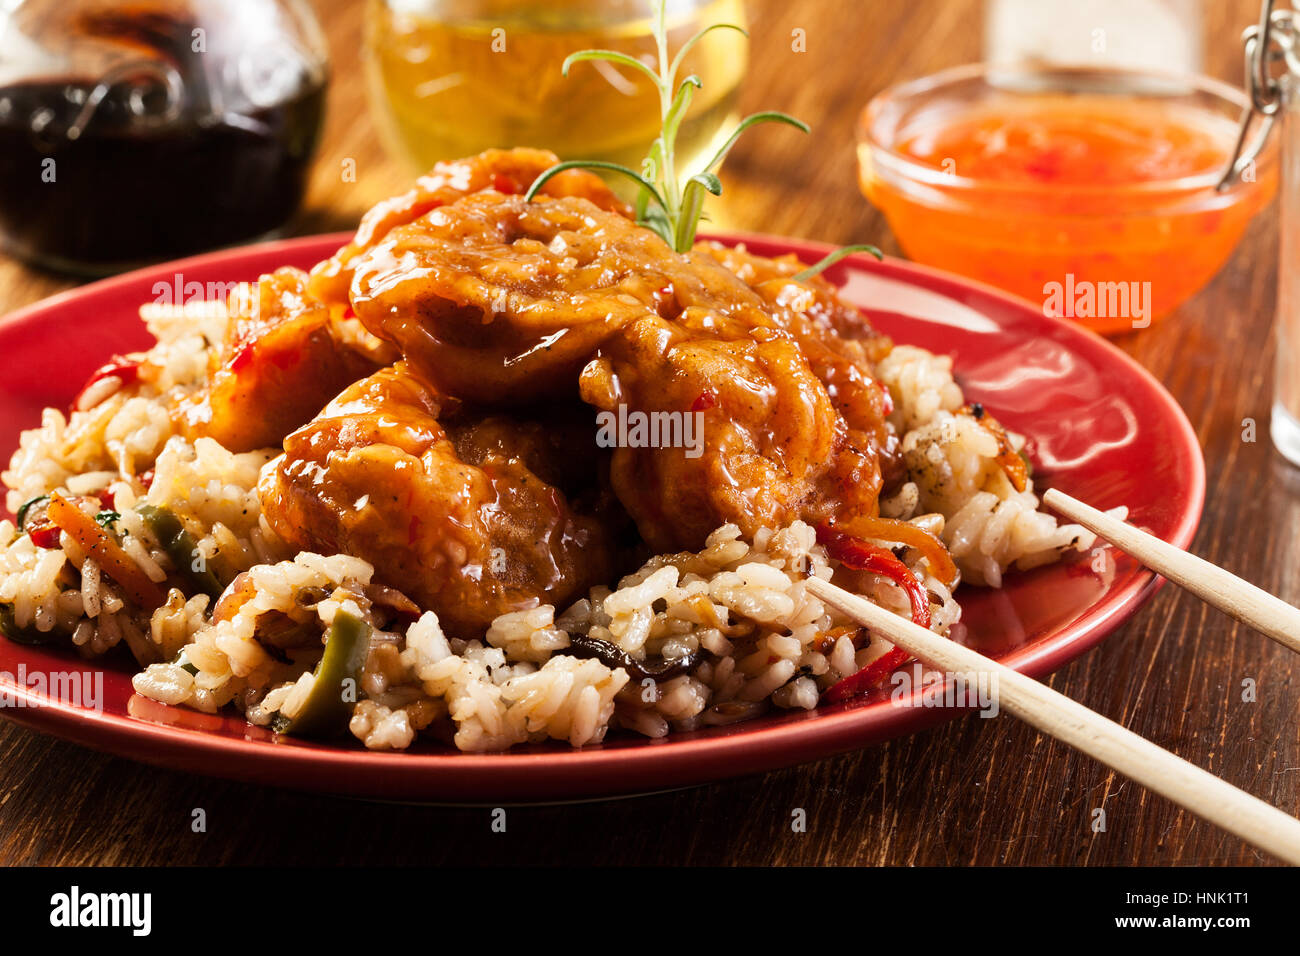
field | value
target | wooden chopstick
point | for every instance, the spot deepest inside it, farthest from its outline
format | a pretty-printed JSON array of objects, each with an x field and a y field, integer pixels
[
  {"x": 1201, "y": 792},
  {"x": 1242, "y": 600}
]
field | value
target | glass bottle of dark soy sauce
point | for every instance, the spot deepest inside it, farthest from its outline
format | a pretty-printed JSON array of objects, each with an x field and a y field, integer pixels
[{"x": 144, "y": 130}]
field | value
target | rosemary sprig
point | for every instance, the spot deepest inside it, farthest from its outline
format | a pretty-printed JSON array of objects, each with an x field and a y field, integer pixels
[
  {"x": 833, "y": 257},
  {"x": 670, "y": 206}
]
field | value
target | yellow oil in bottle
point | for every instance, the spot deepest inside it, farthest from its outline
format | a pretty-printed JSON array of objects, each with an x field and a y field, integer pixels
[{"x": 450, "y": 78}]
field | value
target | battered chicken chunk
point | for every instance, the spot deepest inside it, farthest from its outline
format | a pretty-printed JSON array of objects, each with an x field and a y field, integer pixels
[
  {"x": 282, "y": 361},
  {"x": 768, "y": 428},
  {"x": 775, "y": 446},
  {"x": 816, "y": 299},
  {"x": 508, "y": 171},
  {"x": 500, "y": 301},
  {"x": 468, "y": 529},
  {"x": 836, "y": 339}
]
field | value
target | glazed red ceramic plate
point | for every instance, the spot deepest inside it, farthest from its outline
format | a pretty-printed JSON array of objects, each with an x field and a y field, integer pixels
[{"x": 1101, "y": 429}]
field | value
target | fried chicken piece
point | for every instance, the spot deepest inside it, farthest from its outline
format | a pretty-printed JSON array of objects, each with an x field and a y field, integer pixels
[
  {"x": 501, "y": 301},
  {"x": 777, "y": 374},
  {"x": 835, "y": 337},
  {"x": 467, "y": 529},
  {"x": 558, "y": 447},
  {"x": 771, "y": 445},
  {"x": 508, "y": 171},
  {"x": 282, "y": 360},
  {"x": 816, "y": 299}
]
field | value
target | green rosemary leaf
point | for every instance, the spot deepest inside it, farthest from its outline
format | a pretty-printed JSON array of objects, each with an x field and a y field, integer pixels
[
  {"x": 767, "y": 116},
  {"x": 656, "y": 220},
  {"x": 709, "y": 182},
  {"x": 613, "y": 56},
  {"x": 594, "y": 164},
  {"x": 686, "y": 47},
  {"x": 676, "y": 112},
  {"x": 669, "y": 207},
  {"x": 834, "y": 257},
  {"x": 692, "y": 207},
  {"x": 649, "y": 171}
]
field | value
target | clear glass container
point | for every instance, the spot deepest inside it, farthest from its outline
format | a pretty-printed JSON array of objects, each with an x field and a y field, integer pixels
[
  {"x": 1141, "y": 34},
  {"x": 142, "y": 131},
  {"x": 450, "y": 78},
  {"x": 1285, "y": 421}
]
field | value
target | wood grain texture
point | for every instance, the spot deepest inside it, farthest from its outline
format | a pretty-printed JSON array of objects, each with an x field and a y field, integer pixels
[{"x": 970, "y": 792}]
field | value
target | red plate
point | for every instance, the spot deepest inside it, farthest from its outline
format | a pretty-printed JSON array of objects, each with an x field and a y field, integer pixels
[{"x": 1102, "y": 429}]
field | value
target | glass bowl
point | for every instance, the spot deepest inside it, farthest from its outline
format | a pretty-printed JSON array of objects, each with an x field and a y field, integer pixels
[{"x": 1112, "y": 253}]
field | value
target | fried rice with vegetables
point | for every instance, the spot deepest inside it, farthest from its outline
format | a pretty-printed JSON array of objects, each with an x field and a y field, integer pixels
[{"x": 365, "y": 501}]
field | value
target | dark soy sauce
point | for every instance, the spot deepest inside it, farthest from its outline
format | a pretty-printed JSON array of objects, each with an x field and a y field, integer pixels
[{"x": 147, "y": 163}]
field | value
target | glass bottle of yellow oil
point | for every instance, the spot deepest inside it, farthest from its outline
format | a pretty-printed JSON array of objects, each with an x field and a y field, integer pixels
[{"x": 450, "y": 78}]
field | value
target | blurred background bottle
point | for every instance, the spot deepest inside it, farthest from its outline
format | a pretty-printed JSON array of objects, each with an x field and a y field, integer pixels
[
  {"x": 449, "y": 78},
  {"x": 1161, "y": 35},
  {"x": 1285, "y": 421},
  {"x": 134, "y": 132}
]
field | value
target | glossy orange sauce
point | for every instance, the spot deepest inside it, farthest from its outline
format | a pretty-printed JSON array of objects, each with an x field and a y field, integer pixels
[{"x": 1065, "y": 191}]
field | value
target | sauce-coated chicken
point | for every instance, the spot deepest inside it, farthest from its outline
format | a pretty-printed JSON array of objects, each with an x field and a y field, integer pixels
[
  {"x": 835, "y": 338},
  {"x": 282, "y": 361},
  {"x": 499, "y": 301},
  {"x": 507, "y": 171},
  {"x": 468, "y": 529}
]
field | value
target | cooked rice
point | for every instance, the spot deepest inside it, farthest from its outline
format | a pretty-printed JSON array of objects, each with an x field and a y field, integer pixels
[
  {"x": 952, "y": 470},
  {"x": 739, "y": 612}
]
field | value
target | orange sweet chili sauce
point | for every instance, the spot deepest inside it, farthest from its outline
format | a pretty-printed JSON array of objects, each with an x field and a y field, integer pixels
[{"x": 1059, "y": 197}]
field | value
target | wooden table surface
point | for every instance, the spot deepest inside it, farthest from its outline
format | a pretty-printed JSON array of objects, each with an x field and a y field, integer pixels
[{"x": 969, "y": 792}]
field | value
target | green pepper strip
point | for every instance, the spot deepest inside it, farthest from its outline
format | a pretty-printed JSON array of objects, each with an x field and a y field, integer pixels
[
  {"x": 180, "y": 546},
  {"x": 27, "y": 506},
  {"x": 184, "y": 663},
  {"x": 325, "y": 713}
]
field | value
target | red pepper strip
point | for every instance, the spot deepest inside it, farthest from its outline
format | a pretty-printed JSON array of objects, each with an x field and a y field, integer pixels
[
  {"x": 904, "y": 532},
  {"x": 124, "y": 369},
  {"x": 868, "y": 677},
  {"x": 860, "y": 556},
  {"x": 857, "y": 554},
  {"x": 242, "y": 356},
  {"x": 44, "y": 533},
  {"x": 886, "y": 398}
]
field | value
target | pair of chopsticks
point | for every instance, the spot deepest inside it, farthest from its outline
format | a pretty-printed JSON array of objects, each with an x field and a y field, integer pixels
[
  {"x": 1054, "y": 714},
  {"x": 1240, "y": 599}
]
